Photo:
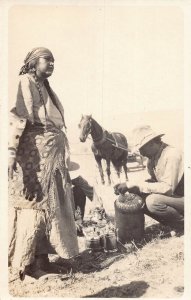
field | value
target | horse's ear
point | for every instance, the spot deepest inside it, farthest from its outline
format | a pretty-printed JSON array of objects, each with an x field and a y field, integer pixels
[
  {"x": 82, "y": 116},
  {"x": 90, "y": 116}
]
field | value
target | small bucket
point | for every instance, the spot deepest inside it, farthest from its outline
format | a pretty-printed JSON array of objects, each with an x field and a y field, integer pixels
[
  {"x": 110, "y": 242},
  {"x": 93, "y": 244}
]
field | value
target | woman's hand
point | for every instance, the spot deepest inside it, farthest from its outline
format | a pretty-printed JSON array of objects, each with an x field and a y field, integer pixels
[{"x": 11, "y": 166}]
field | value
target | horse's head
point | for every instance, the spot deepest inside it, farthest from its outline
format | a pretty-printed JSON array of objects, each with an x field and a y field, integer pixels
[{"x": 85, "y": 127}]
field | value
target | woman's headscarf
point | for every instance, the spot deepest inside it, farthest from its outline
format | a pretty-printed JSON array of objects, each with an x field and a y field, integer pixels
[
  {"x": 30, "y": 61},
  {"x": 33, "y": 56}
]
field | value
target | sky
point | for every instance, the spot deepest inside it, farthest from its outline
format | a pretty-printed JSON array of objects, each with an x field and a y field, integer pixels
[{"x": 109, "y": 60}]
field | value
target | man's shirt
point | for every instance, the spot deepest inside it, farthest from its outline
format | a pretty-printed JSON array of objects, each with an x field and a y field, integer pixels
[{"x": 166, "y": 170}]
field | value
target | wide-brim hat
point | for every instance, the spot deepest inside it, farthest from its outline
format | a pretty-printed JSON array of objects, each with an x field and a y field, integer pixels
[
  {"x": 142, "y": 135},
  {"x": 71, "y": 164},
  {"x": 73, "y": 167}
]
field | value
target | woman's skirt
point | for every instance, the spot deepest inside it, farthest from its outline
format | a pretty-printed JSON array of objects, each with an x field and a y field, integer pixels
[{"x": 41, "y": 203}]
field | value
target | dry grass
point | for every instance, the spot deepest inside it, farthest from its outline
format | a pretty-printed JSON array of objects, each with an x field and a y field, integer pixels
[{"x": 154, "y": 268}]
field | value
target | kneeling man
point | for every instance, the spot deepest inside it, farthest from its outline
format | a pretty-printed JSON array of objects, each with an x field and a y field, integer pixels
[{"x": 164, "y": 191}]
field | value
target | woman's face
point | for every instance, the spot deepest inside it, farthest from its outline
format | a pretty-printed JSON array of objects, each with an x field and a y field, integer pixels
[{"x": 45, "y": 66}]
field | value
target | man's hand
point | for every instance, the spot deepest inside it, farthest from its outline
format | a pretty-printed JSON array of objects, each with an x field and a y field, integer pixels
[
  {"x": 133, "y": 187},
  {"x": 120, "y": 188},
  {"x": 11, "y": 167}
]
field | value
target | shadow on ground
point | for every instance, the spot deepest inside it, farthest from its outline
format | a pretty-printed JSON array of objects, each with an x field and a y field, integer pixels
[
  {"x": 134, "y": 289},
  {"x": 160, "y": 231},
  {"x": 96, "y": 261},
  {"x": 88, "y": 262},
  {"x": 154, "y": 231}
]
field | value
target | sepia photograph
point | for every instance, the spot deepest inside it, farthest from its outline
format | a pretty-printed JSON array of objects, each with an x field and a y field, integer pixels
[{"x": 96, "y": 149}]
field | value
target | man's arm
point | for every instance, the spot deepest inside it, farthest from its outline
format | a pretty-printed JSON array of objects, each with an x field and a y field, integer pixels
[{"x": 173, "y": 171}]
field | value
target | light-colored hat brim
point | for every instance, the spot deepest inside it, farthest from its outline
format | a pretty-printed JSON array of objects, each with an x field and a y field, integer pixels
[
  {"x": 73, "y": 166},
  {"x": 145, "y": 140}
]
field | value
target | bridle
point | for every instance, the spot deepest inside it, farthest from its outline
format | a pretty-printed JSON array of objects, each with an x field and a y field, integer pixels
[{"x": 87, "y": 128}]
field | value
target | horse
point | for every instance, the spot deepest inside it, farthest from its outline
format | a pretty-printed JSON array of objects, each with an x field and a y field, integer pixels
[{"x": 111, "y": 147}]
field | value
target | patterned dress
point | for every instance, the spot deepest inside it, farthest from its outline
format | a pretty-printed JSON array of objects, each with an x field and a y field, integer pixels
[{"x": 40, "y": 197}]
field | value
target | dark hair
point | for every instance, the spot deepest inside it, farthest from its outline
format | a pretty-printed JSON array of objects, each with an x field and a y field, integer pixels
[
  {"x": 32, "y": 65},
  {"x": 29, "y": 67}
]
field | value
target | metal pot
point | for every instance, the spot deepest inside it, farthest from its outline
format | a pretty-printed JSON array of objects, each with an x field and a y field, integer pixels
[
  {"x": 93, "y": 243},
  {"x": 110, "y": 242}
]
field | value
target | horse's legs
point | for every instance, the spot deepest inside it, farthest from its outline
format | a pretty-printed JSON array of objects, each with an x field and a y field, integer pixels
[
  {"x": 98, "y": 160},
  {"x": 125, "y": 170},
  {"x": 118, "y": 172},
  {"x": 117, "y": 169},
  {"x": 108, "y": 171},
  {"x": 141, "y": 159}
]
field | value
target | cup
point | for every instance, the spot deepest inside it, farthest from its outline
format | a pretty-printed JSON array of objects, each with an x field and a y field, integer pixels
[{"x": 110, "y": 242}]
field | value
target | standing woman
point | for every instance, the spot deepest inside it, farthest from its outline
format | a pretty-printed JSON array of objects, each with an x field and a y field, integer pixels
[{"x": 41, "y": 201}]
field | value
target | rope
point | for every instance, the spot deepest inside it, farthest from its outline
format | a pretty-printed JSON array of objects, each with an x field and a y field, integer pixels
[{"x": 116, "y": 145}]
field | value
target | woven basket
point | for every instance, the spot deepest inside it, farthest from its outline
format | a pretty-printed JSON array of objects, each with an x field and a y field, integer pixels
[{"x": 129, "y": 218}]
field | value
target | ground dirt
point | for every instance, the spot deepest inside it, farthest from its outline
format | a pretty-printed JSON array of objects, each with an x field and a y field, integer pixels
[{"x": 152, "y": 268}]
